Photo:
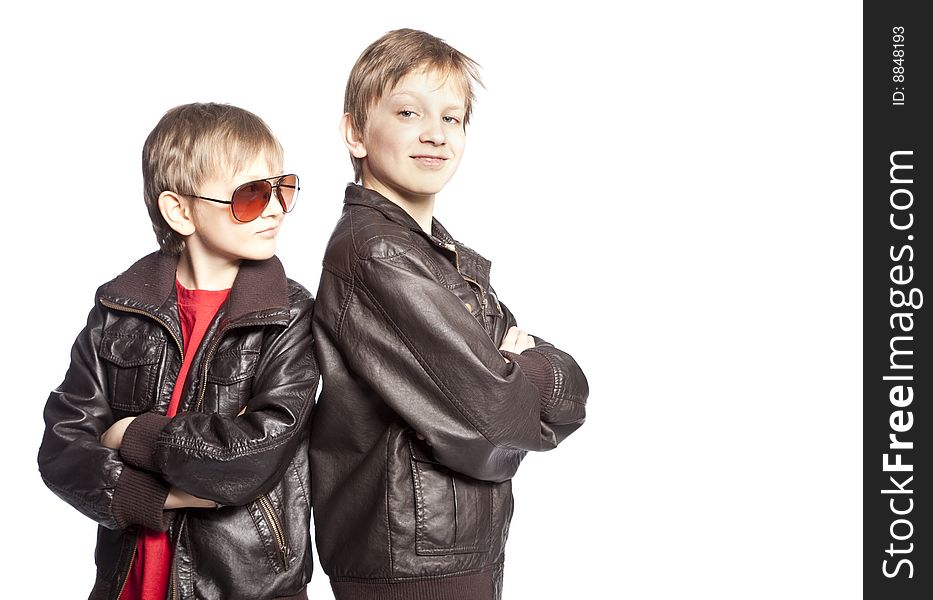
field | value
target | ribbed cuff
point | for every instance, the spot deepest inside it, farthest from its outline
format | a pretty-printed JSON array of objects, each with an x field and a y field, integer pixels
[
  {"x": 537, "y": 368},
  {"x": 139, "y": 440},
  {"x": 139, "y": 498}
]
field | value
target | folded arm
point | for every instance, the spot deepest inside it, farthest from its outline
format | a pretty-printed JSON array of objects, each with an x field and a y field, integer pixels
[
  {"x": 429, "y": 359},
  {"x": 72, "y": 460},
  {"x": 562, "y": 386},
  {"x": 232, "y": 460}
]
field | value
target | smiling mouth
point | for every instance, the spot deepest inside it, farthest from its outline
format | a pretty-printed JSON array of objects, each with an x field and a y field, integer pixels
[{"x": 428, "y": 160}]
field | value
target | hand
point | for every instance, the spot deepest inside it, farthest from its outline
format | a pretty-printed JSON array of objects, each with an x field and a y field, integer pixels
[
  {"x": 113, "y": 437},
  {"x": 516, "y": 341},
  {"x": 178, "y": 498}
]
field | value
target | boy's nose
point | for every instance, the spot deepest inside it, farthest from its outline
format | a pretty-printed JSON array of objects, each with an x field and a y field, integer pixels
[
  {"x": 274, "y": 207},
  {"x": 433, "y": 133}
]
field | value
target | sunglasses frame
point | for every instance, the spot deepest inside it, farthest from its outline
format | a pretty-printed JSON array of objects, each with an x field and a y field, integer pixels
[{"x": 272, "y": 191}]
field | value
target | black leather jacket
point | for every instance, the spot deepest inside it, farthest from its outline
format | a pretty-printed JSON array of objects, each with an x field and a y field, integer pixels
[
  {"x": 240, "y": 436},
  {"x": 407, "y": 330}
]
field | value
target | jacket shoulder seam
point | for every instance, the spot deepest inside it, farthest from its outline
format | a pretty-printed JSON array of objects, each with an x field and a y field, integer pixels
[
  {"x": 360, "y": 245},
  {"x": 428, "y": 262}
]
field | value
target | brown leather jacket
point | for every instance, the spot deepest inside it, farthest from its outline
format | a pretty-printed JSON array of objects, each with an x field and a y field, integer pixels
[
  {"x": 240, "y": 437},
  {"x": 407, "y": 330}
]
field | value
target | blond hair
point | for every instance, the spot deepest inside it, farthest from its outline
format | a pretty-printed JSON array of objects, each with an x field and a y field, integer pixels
[
  {"x": 191, "y": 144},
  {"x": 388, "y": 60}
]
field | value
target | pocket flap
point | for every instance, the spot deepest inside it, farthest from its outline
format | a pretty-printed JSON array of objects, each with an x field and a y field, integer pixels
[
  {"x": 232, "y": 366},
  {"x": 125, "y": 350}
]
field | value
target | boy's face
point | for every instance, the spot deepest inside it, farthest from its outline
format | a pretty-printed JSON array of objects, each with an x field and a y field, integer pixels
[
  {"x": 414, "y": 137},
  {"x": 218, "y": 235}
]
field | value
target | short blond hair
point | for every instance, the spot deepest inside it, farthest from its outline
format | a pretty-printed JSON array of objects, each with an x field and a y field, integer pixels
[
  {"x": 388, "y": 60},
  {"x": 191, "y": 144}
]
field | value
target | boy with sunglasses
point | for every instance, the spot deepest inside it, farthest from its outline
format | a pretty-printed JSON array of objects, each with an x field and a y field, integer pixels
[
  {"x": 181, "y": 425},
  {"x": 432, "y": 394}
]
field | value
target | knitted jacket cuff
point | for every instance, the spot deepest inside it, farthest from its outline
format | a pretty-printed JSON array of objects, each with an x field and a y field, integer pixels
[
  {"x": 538, "y": 370},
  {"x": 139, "y": 498},
  {"x": 139, "y": 440}
]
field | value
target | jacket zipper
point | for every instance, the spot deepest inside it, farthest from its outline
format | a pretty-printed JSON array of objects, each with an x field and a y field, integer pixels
[
  {"x": 173, "y": 569},
  {"x": 482, "y": 292},
  {"x": 204, "y": 367},
  {"x": 265, "y": 506},
  {"x": 207, "y": 362},
  {"x": 159, "y": 320},
  {"x": 126, "y": 577}
]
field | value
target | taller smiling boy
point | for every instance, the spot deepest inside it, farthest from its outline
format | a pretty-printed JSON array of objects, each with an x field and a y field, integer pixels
[{"x": 432, "y": 395}]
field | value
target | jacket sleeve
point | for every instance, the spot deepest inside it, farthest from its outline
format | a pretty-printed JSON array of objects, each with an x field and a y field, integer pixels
[
  {"x": 72, "y": 461},
  {"x": 562, "y": 386},
  {"x": 234, "y": 460},
  {"x": 428, "y": 358}
]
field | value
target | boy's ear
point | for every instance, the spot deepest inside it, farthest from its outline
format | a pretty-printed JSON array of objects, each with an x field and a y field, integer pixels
[
  {"x": 176, "y": 211},
  {"x": 353, "y": 141}
]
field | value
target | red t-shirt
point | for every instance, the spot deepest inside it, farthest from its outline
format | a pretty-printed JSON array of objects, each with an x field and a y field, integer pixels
[{"x": 149, "y": 574}]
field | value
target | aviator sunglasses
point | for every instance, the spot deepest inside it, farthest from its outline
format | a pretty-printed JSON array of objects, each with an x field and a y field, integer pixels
[{"x": 251, "y": 198}]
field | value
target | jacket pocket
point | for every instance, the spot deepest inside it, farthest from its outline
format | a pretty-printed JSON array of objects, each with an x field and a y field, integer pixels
[
  {"x": 132, "y": 369},
  {"x": 453, "y": 513},
  {"x": 272, "y": 531},
  {"x": 230, "y": 379}
]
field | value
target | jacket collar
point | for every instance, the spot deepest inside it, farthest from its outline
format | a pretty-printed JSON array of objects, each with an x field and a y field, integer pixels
[
  {"x": 469, "y": 262},
  {"x": 357, "y": 194},
  {"x": 260, "y": 290}
]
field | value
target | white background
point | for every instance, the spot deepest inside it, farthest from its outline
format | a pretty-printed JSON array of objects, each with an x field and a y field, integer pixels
[{"x": 671, "y": 191}]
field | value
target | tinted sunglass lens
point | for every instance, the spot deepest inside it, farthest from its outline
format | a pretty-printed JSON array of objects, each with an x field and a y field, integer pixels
[
  {"x": 287, "y": 192},
  {"x": 250, "y": 199}
]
